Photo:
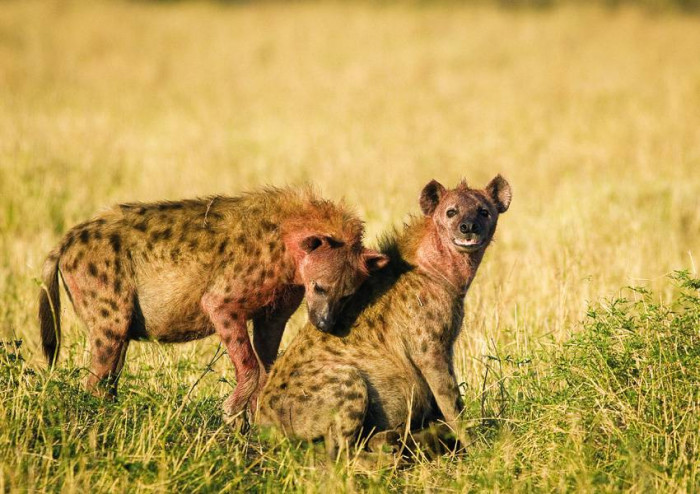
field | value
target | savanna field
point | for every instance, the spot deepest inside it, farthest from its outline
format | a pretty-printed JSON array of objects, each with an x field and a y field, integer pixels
[{"x": 573, "y": 381}]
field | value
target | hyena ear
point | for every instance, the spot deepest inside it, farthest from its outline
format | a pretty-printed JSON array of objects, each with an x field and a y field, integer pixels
[
  {"x": 374, "y": 260},
  {"x": 313, "y": 242},
  {"x": 499, "y": 191},
  {"x": 430, "y": 197}
]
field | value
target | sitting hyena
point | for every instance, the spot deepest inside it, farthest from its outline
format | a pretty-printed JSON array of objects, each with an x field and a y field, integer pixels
[
  {"x": 390, "y": 357},
  {"x": 179, "y": 271}
]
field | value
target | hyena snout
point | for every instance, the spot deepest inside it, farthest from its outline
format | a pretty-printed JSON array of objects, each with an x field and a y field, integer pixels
[{"x": 322, "y": 316}]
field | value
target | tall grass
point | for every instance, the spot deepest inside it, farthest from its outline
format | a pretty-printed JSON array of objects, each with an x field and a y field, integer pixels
[{"x": 591, "y": 114}]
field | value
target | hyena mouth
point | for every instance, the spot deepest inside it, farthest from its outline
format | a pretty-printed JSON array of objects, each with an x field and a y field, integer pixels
[{"x": 469, "y": 244}]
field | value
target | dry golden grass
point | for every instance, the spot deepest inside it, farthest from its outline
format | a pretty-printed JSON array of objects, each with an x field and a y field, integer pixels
[{"x": 592, "y": 115}]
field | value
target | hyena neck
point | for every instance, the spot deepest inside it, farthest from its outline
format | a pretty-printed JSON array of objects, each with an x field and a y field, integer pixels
[
  {"x": 444, "y": 264},
  {"x": 293, "y": 254}
]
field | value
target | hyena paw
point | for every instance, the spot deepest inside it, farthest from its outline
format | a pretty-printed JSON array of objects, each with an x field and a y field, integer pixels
[
  {"x": 235, "y": 415},
  {"x": 385, "y": 442},
  {"x": 237, "y": 421}
]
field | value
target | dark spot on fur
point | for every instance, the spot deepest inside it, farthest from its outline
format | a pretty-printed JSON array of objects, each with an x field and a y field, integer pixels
[
  {"x": 353, "y": 395},
  {"x": 103, "y": 278},
  {"x": 103, "y": 357},
  {"x": 240, "y": 340},
  {"x": 92, "y": 269},
  {"x": 226, "y": 324},
  {"x": 117, "y": 286},
  {"x": 267, "y": 226},
  {"x": 104, "y": 312},
  {"x": 222, "y": 246},
  {"x": 116, "y": 242},
  {"x": 163, "y": 235},
  {"x": 240, "y": 239},
  {"x": 304, "y": 398},
  {"x": 111, "y": 334},
  {"x": 356, "y": 415},
  {"x": 98, "y": 343},
  {"x": 142, "y": 226},
  {"x": 85, "y": 236},
  {"x": 424, "y": 347},
  {"x": 314, "y": 388},
  {"x": 70, "y": 239},
  {"x": 283, "y": 386}
]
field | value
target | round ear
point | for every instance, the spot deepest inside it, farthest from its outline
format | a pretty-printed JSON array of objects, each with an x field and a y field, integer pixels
[
  {"x": 374, "y": 260},
  {"x": 430, "y": 197},
  {"x": 499, "y": 191},
  {"x": 311, "y": 243}
]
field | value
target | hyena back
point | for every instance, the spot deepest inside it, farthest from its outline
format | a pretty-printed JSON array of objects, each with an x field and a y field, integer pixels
[
  {"x": 388, "y": 363},
  {"x": 179, "y": 271}
]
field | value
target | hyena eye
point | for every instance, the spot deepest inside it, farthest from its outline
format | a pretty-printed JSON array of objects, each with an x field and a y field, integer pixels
[
  {"x": 484, "y": 212},
  {"x": 318, "y": 289},
  {"x": 451, "y": 212}
]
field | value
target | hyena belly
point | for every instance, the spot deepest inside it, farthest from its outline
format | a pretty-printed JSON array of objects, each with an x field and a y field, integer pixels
[{"x": 169, "y": 299}]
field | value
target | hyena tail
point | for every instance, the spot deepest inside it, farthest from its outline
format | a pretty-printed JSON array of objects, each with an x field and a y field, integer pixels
[{"x": 50, "y": 309}]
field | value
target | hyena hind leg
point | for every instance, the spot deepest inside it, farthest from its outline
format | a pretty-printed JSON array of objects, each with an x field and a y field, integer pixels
[{"x": 108, "y": 354}]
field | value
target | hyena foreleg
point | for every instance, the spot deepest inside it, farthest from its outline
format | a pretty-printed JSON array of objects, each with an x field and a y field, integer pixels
[
  {"x": 230, "y": 324},
  {"x": 269, "y": 324}
]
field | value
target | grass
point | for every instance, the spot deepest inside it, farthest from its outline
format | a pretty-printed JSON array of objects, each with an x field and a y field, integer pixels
[{"x": 591, "y": 114}]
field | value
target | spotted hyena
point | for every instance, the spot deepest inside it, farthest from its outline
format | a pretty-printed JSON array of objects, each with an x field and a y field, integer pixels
[
  {"x": 179, "y": 271},
  {"x": 389, "y": 359}
]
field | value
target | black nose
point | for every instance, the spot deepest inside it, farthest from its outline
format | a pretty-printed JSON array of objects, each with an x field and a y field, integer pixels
[
  {"x": 323, "y": 323},
  {"x": 468, "y": 228}
]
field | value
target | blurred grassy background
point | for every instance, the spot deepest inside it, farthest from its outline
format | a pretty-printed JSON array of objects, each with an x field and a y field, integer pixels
[{"x": 592, "y": 114}]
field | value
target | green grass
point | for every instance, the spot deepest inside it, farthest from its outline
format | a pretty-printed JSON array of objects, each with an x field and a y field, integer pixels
[
  {"x": 590, "y": 113},
  {"x": 617, "y": 407}
]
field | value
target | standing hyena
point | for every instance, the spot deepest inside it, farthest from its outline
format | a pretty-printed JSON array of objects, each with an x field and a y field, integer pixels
[
  {"x": 390, "y": 357},
  {"x": 179, "y": 271}
]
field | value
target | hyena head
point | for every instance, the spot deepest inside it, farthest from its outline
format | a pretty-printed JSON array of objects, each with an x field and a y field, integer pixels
[
  {"x": 332, "y": 271},
  {"x": 466, "y": 218}
]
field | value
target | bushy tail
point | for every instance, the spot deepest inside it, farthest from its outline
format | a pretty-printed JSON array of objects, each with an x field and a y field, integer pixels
[{"x": 50, "y": 309}]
